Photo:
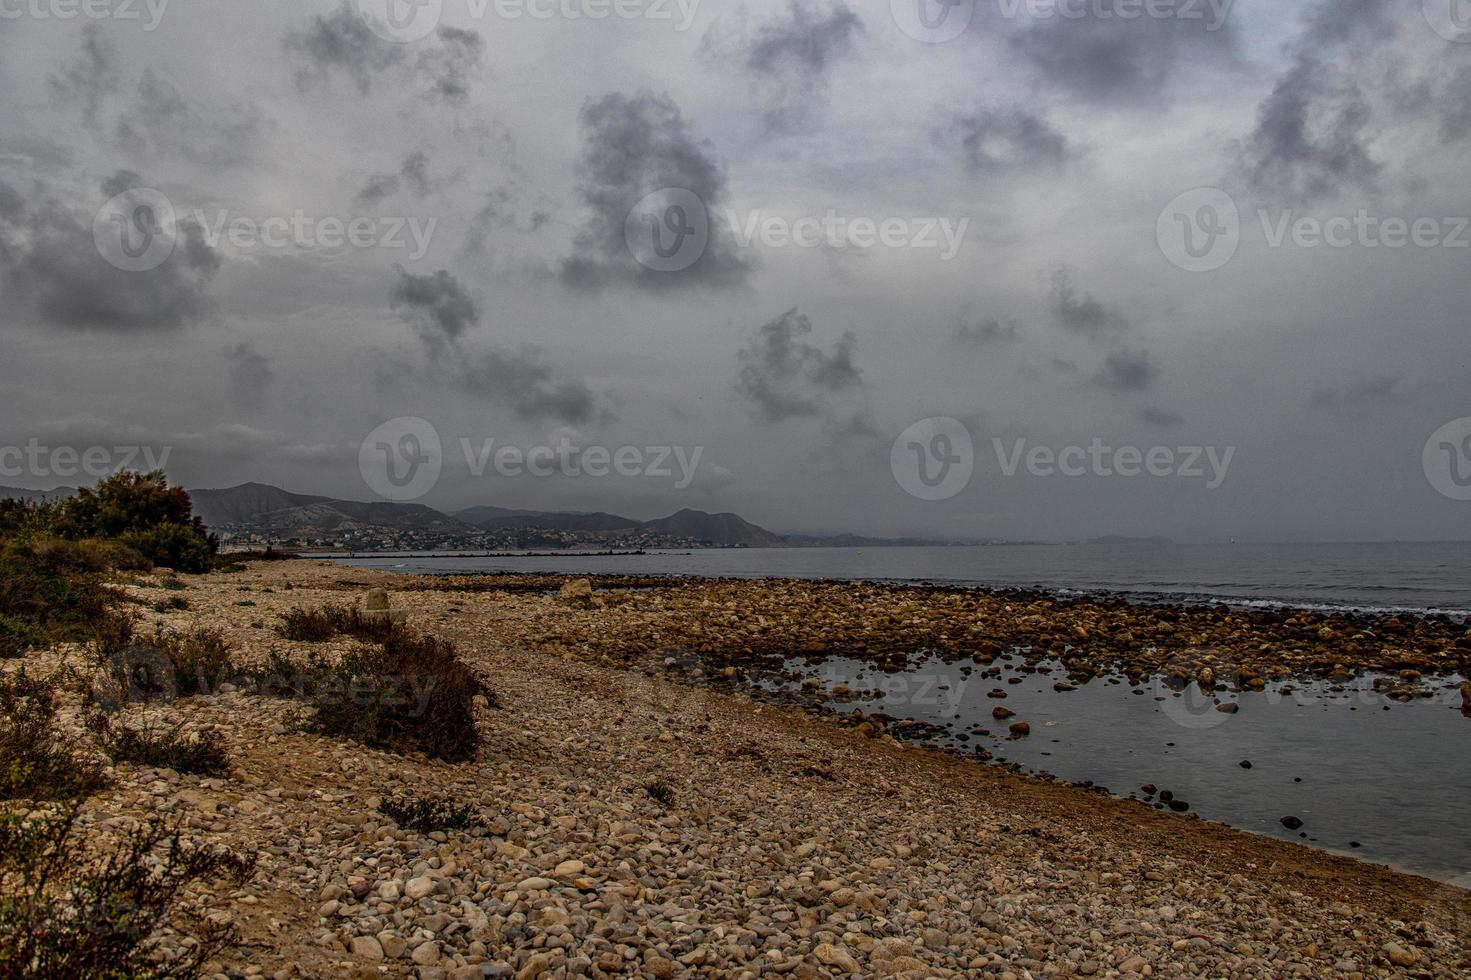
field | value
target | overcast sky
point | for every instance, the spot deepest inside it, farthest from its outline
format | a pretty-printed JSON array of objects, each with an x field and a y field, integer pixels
[{"x": 1029, "y": 269}]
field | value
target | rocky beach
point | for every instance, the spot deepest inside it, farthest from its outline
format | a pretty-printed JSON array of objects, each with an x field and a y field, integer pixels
[{"x": 644, "y": 803}]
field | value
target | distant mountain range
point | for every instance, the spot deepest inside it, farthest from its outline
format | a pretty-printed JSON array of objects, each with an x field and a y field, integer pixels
[
  {"x": 264, "y": 511},
  {"x": 279, "y": 512}
]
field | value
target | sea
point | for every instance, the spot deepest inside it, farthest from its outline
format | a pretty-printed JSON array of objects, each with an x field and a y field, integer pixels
[{"x": 1367, "y": 777}]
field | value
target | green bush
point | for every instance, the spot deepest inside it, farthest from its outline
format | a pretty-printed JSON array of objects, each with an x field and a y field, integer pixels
[
  {"x": 203, "y": 754},
  {"x": 321, "y": 625},
  {"x": 70, "y": 907},
  {"x": 37, "y": 762},
  {"x": 428, "y": 814},
  {"x": 410, "y": 693}
]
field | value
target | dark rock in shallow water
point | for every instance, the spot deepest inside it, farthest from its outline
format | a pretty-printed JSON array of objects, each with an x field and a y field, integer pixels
[
  {"x": 1148, "y": 789},
  {"x": 1291, "y": 823},
  {"x": 1179, "y": 806},
  {"x": 1001, "y": 712},
  {"x": 1246, "y": 763},
  {"x": 1229, "y": 708}
]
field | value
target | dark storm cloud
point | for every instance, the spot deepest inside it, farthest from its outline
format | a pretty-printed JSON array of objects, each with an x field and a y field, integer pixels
[
  {"x": 50, "y": 262},
  {"x": 1127, "y": 370},
  {"x": 1160, "y": 417},
  {"x": 804, "y": 41},
  {"x": 794, "y": 54},
  {"x": 91, "y": 75},
  {"x": 414, "y": 173},
  {"x": 504, "y": 207},
  {"x": 1357, "y": 391},
  {"x": 1117, "y": 60},
  {"x": 987, "y": 331},
  {"x": 437, "y": 306},
  {"x": 250, "y": 374},
  {"x": 164, "y": 120},
  {"x": 342, "y": 42},
  {"x": 632, "y": 147},
  {"x": 992, "y": 141},
  {"x": 442, "y": 311},
  {"x": 784, "y": 377},
  {"x": 1312, "y": 135},
  {"x": 1314, "y": 131},
  {"x": 1081, "y": 312},
  {"x": 523, "y": 381}
]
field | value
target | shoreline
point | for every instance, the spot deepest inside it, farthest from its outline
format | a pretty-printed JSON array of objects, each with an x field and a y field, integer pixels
[{"x": 817, "y": 845}]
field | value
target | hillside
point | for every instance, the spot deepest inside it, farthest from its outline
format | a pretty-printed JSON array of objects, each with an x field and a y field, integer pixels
[{"x": 721, "y": 529}]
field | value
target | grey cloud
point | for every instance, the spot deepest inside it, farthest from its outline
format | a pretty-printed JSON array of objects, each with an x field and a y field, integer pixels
[
  {"x": 163, "y": 120},
  {"x": 1311, "y": 137},
  {"x": 1116, "y": 60},
  {"x": 442, "y": 311},
  {"x": 414, "y": 173},
  {"x": 50, "y": 261},
  {"x": 634, "y": 146},
  {"x": 1127, "y": 370},
  {"x": 1359, "y": 390},
  {"x": 1314, "y": 131},
  {"x": 92, "y": 76},
  {"x": 992, "y": 141},
  {"x": 794, "y": 53},
  {"x": 987, "y": 331},
  {"x": 250, "y": 373},
  {"x": 523, "y": 381},
  {"x": 784, "y": 377},
  {"x": 437, "y": 306},
  {"x": 342, "y": 42},
  {"x": 1161, "y": 417},
  {"x": 1081, "y": 312}
]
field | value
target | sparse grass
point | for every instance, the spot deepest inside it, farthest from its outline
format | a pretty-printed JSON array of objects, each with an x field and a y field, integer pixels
[
  {"x": 165, "y": 665},
  {"x": 661, "y": 791},
  {"x": 70, "y": 907},
  {"x": 202, "y": 754},
  {"x": 428, "y": 814},
  {"x": 410, "y": 693},
  {"x": 37, "y": 762},
  {"x": 321, "y": 625},
  {"x": 173, "y": 603}
]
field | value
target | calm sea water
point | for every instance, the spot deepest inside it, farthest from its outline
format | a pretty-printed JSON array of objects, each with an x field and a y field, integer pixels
[
  {"x": 1393, "y": 778},
  {"x": 1418, "y": 577}
]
